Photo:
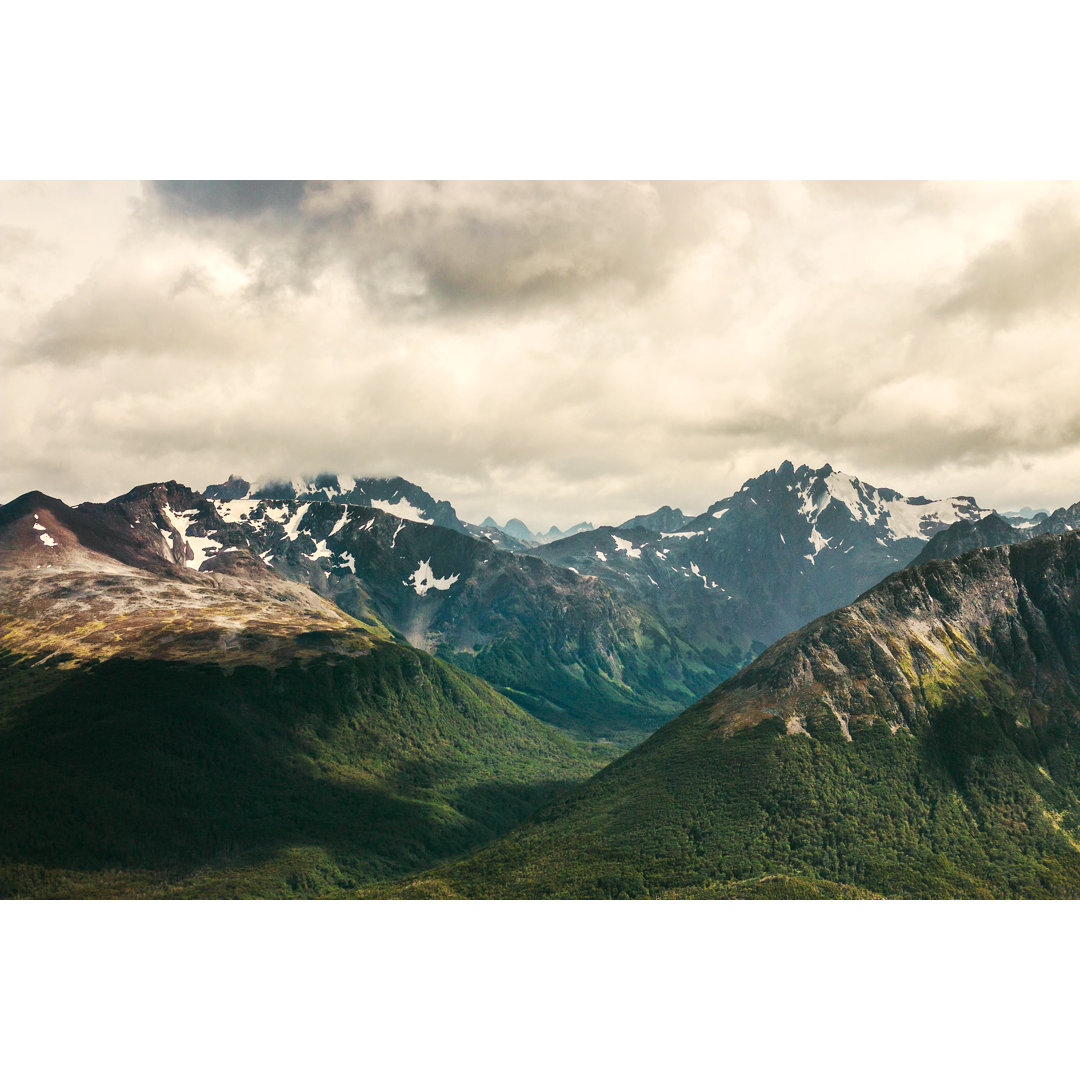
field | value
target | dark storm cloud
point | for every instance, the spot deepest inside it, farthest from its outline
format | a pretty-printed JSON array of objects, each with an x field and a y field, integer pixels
[
  {"x": 469, "y": 245},
  {"x": 413, "y": 248},
  {"x": 229, "y": 198}
]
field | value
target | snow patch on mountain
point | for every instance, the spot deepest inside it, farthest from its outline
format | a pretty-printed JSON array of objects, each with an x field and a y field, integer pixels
[
  {"x": 625, "y": 545},
  {"x": 321, "y": 552},
  {"x": 817, "y": 541},
  {"x": 202, "y": 547},
  {"x": 911, "y": 520},
  {"x": 902, "y": 518},
  {"x": 402, "y": 509},
  {"x": 292, "y": 529},
  {"x": 849, "y": 492},
  {"x": 235, "y": 510},
  {"x": 422, "y": 579},
  {"x": 696, "y": 571}
]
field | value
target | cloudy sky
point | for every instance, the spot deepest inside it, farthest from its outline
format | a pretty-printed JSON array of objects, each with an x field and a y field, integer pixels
[{"x": 552, "y": 351}]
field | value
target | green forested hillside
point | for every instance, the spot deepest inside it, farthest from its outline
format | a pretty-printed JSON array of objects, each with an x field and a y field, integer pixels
[{"x": 147, "y": 777}]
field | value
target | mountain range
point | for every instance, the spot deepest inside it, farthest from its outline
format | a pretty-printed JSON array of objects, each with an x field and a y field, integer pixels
[
  {"x": 313, "y": 686},
  {"x": 517, "y": 530},
  {"x": 567, "y": 648}
]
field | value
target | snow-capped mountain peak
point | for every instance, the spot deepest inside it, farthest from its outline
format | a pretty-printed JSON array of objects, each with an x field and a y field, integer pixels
[{"x": 393, "y": 495}]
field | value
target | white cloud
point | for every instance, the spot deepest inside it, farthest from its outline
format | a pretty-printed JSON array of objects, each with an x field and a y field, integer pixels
[{"x": 553, "y": 352}]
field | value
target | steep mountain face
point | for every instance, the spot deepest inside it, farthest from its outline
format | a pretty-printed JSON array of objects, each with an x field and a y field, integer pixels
[
  {"x": 565, "y": 647},
  {"x": 393, "y": 495},
  {"x": 164, "y": 527},
  {"x": 994, "y": 530},
  {"x": 1064, "y": 519},
  {"x": 178, "y": 719},
  {"x": 788, "y": 546},
  {"x": 90, "y": 583},
  {"x": 924, "y": 741}
]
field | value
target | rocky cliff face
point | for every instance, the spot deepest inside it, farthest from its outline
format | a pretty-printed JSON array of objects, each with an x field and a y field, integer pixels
[{"x": 1007, "y": 616}]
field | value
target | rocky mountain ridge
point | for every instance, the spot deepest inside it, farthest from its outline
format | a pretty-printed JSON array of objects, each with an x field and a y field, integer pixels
[
  {"x": 393, "y": 495},
  {"x": 788, "y": 546}
]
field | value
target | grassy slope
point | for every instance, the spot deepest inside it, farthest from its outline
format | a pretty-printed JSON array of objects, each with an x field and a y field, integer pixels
[{"x": 156, "y": 778}]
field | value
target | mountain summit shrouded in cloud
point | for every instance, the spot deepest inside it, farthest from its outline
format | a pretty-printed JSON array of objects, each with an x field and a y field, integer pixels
[{"x": 547, "y": 351}]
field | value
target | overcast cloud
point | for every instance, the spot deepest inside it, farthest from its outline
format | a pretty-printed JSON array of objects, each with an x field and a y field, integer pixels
[{"x": 543, "y": 350}]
